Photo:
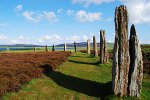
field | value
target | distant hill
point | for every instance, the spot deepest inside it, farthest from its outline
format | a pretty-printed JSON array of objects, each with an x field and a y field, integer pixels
[
  {"x": 21, "y": 45},
  {"x": 81, "y": 44},
  {"x": 84, "y": 44}
]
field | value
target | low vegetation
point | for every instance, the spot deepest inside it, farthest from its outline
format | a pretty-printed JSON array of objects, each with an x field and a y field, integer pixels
[
  {"x": 80, "y": 78},
  {"x": 19, "y": 68}
]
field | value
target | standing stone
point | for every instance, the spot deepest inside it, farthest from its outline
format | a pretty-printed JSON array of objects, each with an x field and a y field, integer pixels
[
  {"x": 95, "y": 46},
  {"x": 136, "y": 64},
  {"x": 103, "y": 48},
  {"x": 65, "y": 47},
  {"x": 53, "y": 48},
  {"x": 7, "y": 49},
  {"x": 88, "y": 46},
  {"x": 121, "y": 59},
  {"x": 75, "y": 46},
  {"x": 46, "y": 48},
  {"x": 34, "y": 49}
]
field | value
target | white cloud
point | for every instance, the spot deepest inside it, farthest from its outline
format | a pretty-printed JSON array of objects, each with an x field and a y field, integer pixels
[
  {"x": 22, "y": 38},
  {"x": 146, "y": 42},
  {"x": 75, "y": 38},
  {"x": 139, "y": 10},
  {"x": 50, "y": 16},
  {"x": 92, "y": 34},
  {"x": 37, "y": 17},
  {"x": 3, "y": 24},
  {"x": 29, "y": 16},
  {"x": 57, "y": 39},
  {"x": 3, "y": 37},
  {"x": 43, "y": 40},
  {"x": 85, "y": 38},
  {"x": 83, "y": 16},
  {"x": 108, "y": 19},
  {"x": 60, "y": 11},
  {"x": 50, "y": 39},
  {"x": 19, "y": 8},
  {"x": 18, "y": 40},
  {"x": 89, "y": 2},
  {"x": 110, "y": 41},
  {"x": 70, "y": 12}
]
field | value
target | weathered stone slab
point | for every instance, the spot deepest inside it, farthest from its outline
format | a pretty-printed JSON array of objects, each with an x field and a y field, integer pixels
[
  {"x": 34, "y": 49},
  {"x": 95, "y": 47},
  {"x": 46, "y": 49},
  {"x": 136, "y": 64},
  {"x": 75, "y": 47},
  {"x": 53, "y": 48},
  {"x": 88, "y": 46},
  {"x": 121, "y": 59},
  {"x": 65, "y": 47},
  {"x": 104, "y": 56}
]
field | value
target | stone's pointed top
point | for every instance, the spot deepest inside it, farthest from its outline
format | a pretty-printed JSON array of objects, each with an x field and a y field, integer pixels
[
  {"x": 121, "y": 14},
  {"x": 102, "y": 30},
  {"x": 116, "y": 7},
  {"x": 122, "y": 7},
  {"x": 93, "y": 36},
  {"x": 133, "y": 31},
  {"x": 136, "y": 65}
]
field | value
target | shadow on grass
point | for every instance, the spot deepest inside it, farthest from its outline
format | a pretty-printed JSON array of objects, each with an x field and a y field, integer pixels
[
  {"x": 81, "y": 62},
  {"x": 87, "y": 87},
  {"x": 90, "y": 56}
]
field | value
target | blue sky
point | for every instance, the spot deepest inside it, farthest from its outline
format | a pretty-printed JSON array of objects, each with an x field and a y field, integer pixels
[{"x": 58, "y": 21}]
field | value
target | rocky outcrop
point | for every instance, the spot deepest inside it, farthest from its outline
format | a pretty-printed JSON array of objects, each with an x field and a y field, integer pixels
[
  {"x": 121, "y": 59},
  {"x": 136, "y": 65},
  {"x": 75, "y": 47},
  {"x": 88, "y": 46},
  {"x": 103, "y": 48},
  {"x": 95, "y": 47}
]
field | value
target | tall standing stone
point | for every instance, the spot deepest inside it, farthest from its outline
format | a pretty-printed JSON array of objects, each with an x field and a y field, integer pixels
[
  {"x": 53, "y": 47},
  {"x": 65, "y": 47},
  {"x": 121, "y": 59},
  {"x": 95, "y": 46},
  {"x": 34, "y": 49},
  {"x": 7, "y": 49},
  {"x": 46, "y": 48},
  {"x": 88, "y": 46},
  {"x": 103, "y": 48},
  {"x": 136, "y": 65},
  {"x": 75, "y": 47}
]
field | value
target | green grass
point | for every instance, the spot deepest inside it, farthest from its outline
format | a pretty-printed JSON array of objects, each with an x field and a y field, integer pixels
[{"x": 80, "y": 78}]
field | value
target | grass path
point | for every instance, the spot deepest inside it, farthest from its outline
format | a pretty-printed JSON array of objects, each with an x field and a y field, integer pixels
[{"x": 80, "y": 78}]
